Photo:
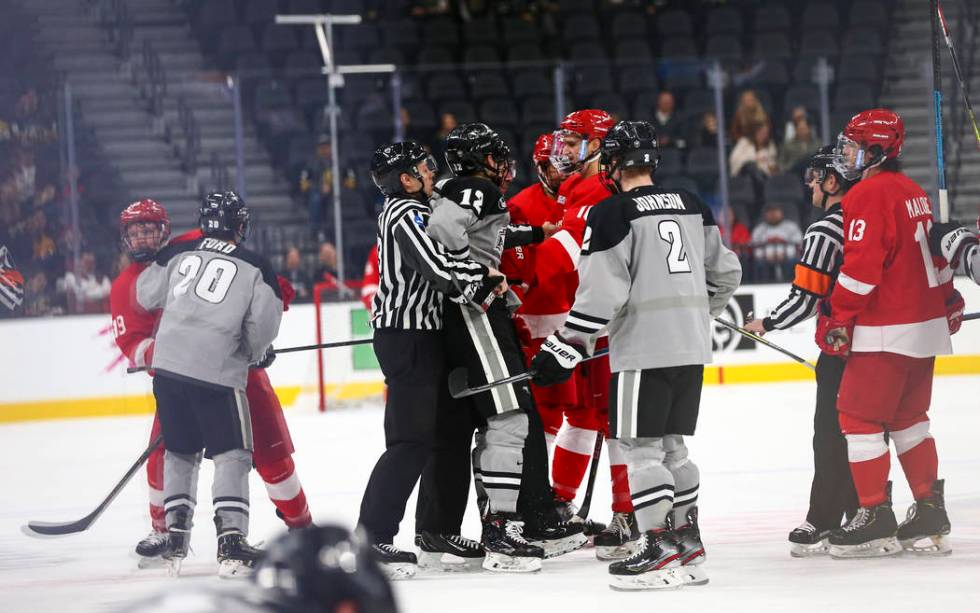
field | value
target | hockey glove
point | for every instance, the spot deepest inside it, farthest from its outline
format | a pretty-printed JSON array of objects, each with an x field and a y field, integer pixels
[
  {"x": 286, "y": 290},
  {"x": 479, "y": 294},
  {"x": 950, "y": 241},
  {"x": 954, "y": 311},
  {"x": 267, "y": 359},
  {"x": 555, "y": 361},
  {"x": 834, "y": 337}
]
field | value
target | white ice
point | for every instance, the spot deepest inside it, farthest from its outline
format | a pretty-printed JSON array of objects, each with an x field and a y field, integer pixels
[{"x": 753, "y": 448}]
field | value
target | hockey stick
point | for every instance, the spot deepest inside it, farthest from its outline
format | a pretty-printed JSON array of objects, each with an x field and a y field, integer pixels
[
  {"x": 959, "y": 73},
  {"x": 459, "y": 379},
  {"x": 763, "y": 341},
  {"x": 583, "y": 511},
  {"x": 970, "y": 316},
  {"x": 359, "y": 341},
  {"x": 937, "y": 99},
  {"x": 43, "y": 528}
]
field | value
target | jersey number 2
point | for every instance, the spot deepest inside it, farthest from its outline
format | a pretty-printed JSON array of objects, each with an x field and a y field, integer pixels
[
  {"x": 214, "y": 282},
  {"x": 670, "y": 232}
]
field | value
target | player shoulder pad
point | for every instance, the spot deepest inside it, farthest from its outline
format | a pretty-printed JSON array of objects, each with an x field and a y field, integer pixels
[
  {"x": 173, "y": 249},
  {"x": 269, "y": 276},
  {"x": 474, "y": 193}
]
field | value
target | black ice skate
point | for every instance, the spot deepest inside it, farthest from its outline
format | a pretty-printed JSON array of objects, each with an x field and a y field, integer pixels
[
  {"x": 150, "y": 550},
  {"x": 807, "y": 540},
  {"x": 236, "y": 558},
  {"x": 557, "y": 537},
  {"x": 448, "y": 552},
  {"x": 869, "y": 534},
  {"x": 687, "y": 538},
  {"x": 178, "y": 544},
  {"x": 568, "y": 512},
  {"x": 926, "y": 525},
  {"x": 654, "y": 566},
  {"x": 618, "y": 539},
  {"x": 395, "y": 563},
  {"x": 507, "y": 549}
]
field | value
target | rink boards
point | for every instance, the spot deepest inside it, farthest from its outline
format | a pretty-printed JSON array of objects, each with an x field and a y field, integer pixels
[{"x": 70, "y": 366}]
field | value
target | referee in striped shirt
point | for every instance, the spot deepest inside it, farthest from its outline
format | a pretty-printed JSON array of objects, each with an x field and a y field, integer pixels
[
  {"x": 832, "y": 493},
  {"x": 414, "y": 274}
]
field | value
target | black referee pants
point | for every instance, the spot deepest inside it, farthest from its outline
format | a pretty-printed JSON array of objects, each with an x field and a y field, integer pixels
[
  {"x": 832, "y": 493},
  {"x": 414, "y": 368}
]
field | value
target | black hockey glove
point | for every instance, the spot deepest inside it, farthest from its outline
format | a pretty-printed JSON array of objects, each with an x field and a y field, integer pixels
[
  {"x": 555, "y": 361},
  {"x": 267, "y": 359},
  {"x": 950, "y": 241},
  {"x": 479, "y": 294}
]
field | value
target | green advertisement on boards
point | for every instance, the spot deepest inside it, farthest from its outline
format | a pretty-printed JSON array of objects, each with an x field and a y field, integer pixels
[{"x": 362, "y": 357}]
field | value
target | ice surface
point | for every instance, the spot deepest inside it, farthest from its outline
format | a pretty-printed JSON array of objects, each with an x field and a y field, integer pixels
[{"x": 753, "y": 448}]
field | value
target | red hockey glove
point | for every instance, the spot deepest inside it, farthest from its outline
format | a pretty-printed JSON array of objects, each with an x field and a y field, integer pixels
[
  {"x": 287, "y": 291},
  {"x": 556, "y": 360},
  {"x": 834, "y": 337},
  {"x": 954, "y": 311}
]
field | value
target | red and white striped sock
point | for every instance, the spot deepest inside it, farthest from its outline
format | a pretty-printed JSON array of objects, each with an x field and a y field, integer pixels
[
  {"x": 286, "y": 492},
  {"x": 573, "y": 451},
  {"x": 621, "y": 502}
]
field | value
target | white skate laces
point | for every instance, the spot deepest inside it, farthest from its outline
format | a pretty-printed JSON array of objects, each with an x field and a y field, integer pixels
[
  {"x": 515, "y": 532},
  {"x": 639, "y": 548},
  {"x": 859, "y": 521},
  {"x": 387, "y": 547},
  {"x": 620, "y": 523},
  {"x": 462, "y": 541}
]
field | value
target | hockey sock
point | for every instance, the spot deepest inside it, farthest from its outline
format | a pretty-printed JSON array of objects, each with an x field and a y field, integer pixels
[
  {"x": 621, "y": 502},
  {"x": 870, "y": 462},
  {"x": 917, "y": 453},
  {"x": 501, "y": 459},
  {"x": 286, "y": 491},
  {"x": 154, "y": 479},
  {"x": 180, "y": 488},
  {"x": 687, "y": 478},
  {"x": 230, "y": 491},
  {"x": 573, "y": 452},
  {"x": 651, "y": 484}
]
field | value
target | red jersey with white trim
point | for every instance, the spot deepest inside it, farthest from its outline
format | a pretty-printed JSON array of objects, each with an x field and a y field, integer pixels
[
  {"x": 545, "y": 300},
  {"x": 890, "y": 286},
  {"x": 371, "y": 279},
  {"x": 133, "y": 327}
]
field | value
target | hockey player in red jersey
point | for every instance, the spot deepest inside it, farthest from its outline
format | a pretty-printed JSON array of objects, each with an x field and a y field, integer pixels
[
  {"x": 145, "y": 228},
  {"x": 370, "y": 284},
  {"x": 889, "y": 316}
]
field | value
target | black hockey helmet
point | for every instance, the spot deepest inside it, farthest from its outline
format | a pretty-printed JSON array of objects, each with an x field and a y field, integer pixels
[
  {"x": 825, "y": 161},
  {"x": 468, "y": 146},
  {"x": 392, "y": 160},
  {"x": 629, "y": 144},
  {"x": 224, "y": 215},
  {"x": 324, "y": 566}
]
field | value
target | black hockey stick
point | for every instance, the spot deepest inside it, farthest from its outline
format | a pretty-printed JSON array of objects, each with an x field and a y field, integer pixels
[
  {"x": 959, "y": 72},
  {"x": 459, "y": 379},
  {"x": 970, "y": 316},
  {"x": 43, "y": 528},
  {"x": 763, "y": 341},
  {"x": 583, "y": 512},
  {"x": 358, "y": 341}
]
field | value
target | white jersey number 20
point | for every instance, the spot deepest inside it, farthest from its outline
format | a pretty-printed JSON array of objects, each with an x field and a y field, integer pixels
[
  {"x": 670, "y": 232},
  {"x": 214, "y": 282}
]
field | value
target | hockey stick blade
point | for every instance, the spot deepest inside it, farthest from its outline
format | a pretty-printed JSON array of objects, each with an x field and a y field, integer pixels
[
  {"x": 459, "y": 379},
  {"x": 43, "y": 528},
  {"x": 583, "y": 512}
]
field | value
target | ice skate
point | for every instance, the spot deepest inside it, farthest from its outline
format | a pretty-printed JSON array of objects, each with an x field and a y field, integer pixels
[
  {"x": 236, "y": 558},
  {"x": 806, "y": 540},
  {"x": 653, "y": 567},
  {"x": 448, "y": 552},
  {"x": 507, "y": 549},
  {"x": 616, "y": 542},
  {"x": 150, "y": 550},
  {"x": 869, "y": 534},
  {"x": 395, "y": 563},
  {"x": 558, "y": 538},
  {"x": 687, "y": 538},
  {"x": 926, "y": 525},
  {"x": 568, "y": 512},
  {"x": 178, "y": 544}
]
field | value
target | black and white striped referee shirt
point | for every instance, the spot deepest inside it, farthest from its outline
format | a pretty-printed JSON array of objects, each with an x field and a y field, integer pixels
[
  {"x": 816, "y": 272},
  {"x": 414, "y": 270}
]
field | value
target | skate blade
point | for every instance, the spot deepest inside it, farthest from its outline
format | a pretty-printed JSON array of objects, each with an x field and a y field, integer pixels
[
  {"x": 617, "y": 552},
  {"x": 878, "y": 548},
  {"x": 559, "y": 547},
  {"x": 937, "y": 545},
  {"x": 692, "y": 574},
  {"x": 434, "y": 561},
  {"x": 663, "y": 579},
  {"x": 145, "y": 562},
  {"x": 399, "y": 572},
  {"x": 502, "y": 563},
  {"x": 173, "y": 566},
  {"x": 799, "y": 550},
  {"x": 234, "y": 569}
]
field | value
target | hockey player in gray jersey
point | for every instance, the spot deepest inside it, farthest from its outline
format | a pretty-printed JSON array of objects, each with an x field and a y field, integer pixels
[
  {"x": 653, "y": 270},
  {"x": 221, "y": 311},
  {"x": 958, "y": 245}
]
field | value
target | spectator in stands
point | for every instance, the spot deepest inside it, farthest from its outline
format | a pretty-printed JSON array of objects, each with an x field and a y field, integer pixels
[
  {"x": 749, "y": 114},
  {"x": 447, "y": 121},
  {"x": 706, "y": 134},
  {"x": 797, "y": 115},
  {"x": 670, "y": 131},
  {"x": 86, "y": 290},
  {"x": 297, "y": 276},
  {"x": 38, "y": 299},
  {"x": 316, "y": 181},
  {"x": 327, "y": 267},
  {"x": 795, "y": 153},
  {"x": 776, "y": 241},
  {"x": 755, "y": 155},
  {"x": 43, "y": 249}
]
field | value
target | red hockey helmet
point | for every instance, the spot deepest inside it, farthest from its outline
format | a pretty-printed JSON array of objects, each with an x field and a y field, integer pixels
[
  {"x": 869, "y": 138},
  {"x": 570, "y": 150},
  {"x": 143, "y": 242},
  {"x": 542, "y": 148},
  {"x": 541, "y": 154}
]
